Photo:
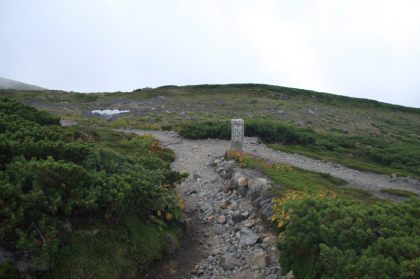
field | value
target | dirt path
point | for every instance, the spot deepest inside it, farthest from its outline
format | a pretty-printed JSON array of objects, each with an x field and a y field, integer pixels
[{"x": 206, "y": 252}]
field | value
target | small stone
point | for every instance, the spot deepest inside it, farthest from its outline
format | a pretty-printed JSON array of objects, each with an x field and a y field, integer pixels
[
  {"x": 172, "y": 244},
  {"x": 243, "y": 190},
  {"x": 233, "y": 197},
  {"x": 224, "y": 204},
  {"x": 220, "y": 169},
  {"x": 237, "y": 217},
  {"x": 290, "y": 275},
  {"x": 242, "y": 182},
  {"x": 226, "y": 188},
  {"x": 249, "y": 224},
  {"x": 222, "y": 219}
]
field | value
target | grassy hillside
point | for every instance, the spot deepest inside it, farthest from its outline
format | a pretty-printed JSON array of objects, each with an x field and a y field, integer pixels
[{"x": 359, "y": 133}]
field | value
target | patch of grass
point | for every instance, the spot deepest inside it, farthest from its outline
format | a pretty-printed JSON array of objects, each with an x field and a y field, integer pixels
[
  {"x": 398, "y": 192},
  {"x": 350, "y": 160},
  {"x": 119, "y": 142},
  {"x": 85, "y": 97},
  {"x": 115, "y": 252},
  {"x": 297, "y": 179}
]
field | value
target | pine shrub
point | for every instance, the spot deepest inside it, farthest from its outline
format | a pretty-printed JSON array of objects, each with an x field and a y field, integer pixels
[
  {"x": 48, "y": 175},
  {"x": 331, "y": 238}
]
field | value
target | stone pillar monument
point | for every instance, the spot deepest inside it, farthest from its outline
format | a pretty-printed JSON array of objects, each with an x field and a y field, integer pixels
[{"x": 237, "y": 130}]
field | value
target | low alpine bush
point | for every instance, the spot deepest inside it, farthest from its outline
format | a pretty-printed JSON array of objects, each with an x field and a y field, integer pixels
[{"x": 330, "y": 238}]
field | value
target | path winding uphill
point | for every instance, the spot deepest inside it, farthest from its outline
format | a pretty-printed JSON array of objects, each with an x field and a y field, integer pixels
[
  {"x": 217, "y": 247},
  {"x": 189, "y": 154}
]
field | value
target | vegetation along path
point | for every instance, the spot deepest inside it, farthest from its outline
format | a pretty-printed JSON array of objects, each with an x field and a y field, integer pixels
[{"x": 203, "y": 255}]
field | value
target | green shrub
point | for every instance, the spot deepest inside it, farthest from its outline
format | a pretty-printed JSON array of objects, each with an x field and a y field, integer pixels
[
  {"x": 343, "y": 239},
  {"x": 48, "y": 174},
  {"x": 326, "y": 144},
  {"x": 8, "y": 270},
  {"x": 204, "y": 130},
  {"x": 85, "y": 97}
]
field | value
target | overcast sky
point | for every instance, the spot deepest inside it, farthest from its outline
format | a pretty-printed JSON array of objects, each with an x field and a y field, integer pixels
[{"x": 359, "y": 48}]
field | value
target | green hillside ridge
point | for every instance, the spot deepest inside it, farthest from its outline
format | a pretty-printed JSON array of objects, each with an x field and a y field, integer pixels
[{"x": 17, "y": 85}]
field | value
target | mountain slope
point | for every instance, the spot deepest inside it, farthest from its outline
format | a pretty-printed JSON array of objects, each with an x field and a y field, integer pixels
[{"x": 12, "y": 84}]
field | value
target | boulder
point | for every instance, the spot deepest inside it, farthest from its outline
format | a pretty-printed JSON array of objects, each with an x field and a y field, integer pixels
[
  {"x": 311, "y": 112},
  {"x": 258, "y": 187},
  {"x": 161, "y": 98},
  {"x": 268, "y": 211},
  {"x": 264, "y": 201},
  {"x": 228, "y": 262},
  {"x": 300, "y": 123},
  {"x": 248, "y": 237},
  {"x": 280, "y": 112},
  {"x": 257, "y": 258}
]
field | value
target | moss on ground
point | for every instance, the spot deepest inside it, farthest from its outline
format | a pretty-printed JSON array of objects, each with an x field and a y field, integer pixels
[
  {"x": 122, "y": 251},
  {"x": 398, "y": 192}
]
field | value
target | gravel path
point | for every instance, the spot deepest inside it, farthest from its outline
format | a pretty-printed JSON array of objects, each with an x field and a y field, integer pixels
[
  {"x": 188, "y": 159},
  {"x": 214, "y": 249}
]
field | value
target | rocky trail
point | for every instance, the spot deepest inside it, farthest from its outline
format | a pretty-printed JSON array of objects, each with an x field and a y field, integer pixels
[{"x": 227, "y": 209}]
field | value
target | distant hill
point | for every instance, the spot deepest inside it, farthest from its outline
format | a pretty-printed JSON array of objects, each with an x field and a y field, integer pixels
[{"x": 12, "y": 84}]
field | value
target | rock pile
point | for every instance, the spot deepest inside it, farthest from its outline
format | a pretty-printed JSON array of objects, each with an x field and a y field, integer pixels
[{"x": 239, "y": 242}]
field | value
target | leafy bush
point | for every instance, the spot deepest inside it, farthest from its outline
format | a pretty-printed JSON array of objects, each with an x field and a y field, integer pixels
[
  {"x": 48, "y": 175},
  {"x": 204, "y": 130},
  {"x": 331, "y": 238},
  {"x": 269, "y": 131},
  {"x": 398, "y": 155}
]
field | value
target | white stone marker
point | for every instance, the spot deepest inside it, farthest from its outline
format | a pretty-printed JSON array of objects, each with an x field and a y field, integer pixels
[{"x": 237, "y": 130}]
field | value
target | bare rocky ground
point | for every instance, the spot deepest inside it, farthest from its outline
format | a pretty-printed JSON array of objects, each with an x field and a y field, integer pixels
[{"x": 231, "y": 238}]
